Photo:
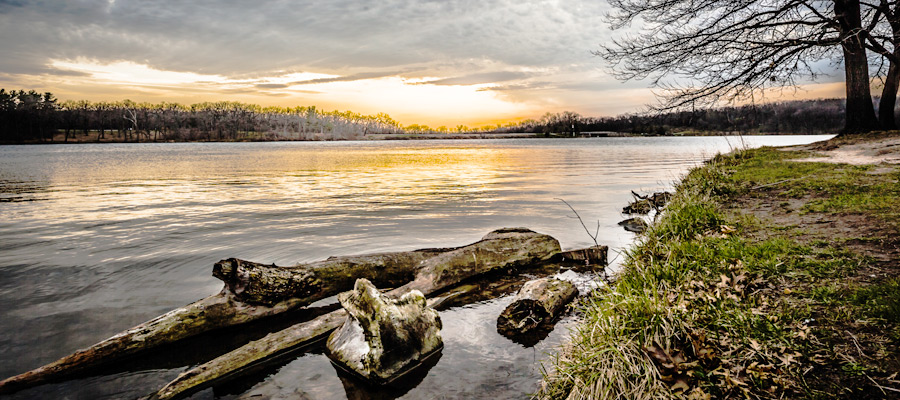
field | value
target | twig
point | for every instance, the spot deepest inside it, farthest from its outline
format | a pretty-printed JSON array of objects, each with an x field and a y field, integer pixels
[{"x": 594, "y": 237}]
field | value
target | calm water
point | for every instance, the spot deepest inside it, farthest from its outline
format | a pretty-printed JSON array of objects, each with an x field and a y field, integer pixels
[{"x": 97, "y": 238}]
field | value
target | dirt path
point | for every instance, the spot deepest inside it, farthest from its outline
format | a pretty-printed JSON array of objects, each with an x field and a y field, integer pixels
[{"x": 854, "y": 151}]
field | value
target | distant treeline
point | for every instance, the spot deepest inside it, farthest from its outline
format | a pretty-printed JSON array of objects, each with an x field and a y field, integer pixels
[
  {"x": 789, "y": 117},
  {"x": 36, "y": 117},
  {"x": 32, "y": 116}
]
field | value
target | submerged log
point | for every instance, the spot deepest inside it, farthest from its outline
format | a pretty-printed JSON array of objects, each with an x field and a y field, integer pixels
[
  {"x": 538, "y": 302},
  {"x": 636, "y": 225},
  {"x": 383, "y": 338},
  {"x": 218, "y": 311},
  {"x": 253, "y": 291},
  {"x": 500, "y": 249}
]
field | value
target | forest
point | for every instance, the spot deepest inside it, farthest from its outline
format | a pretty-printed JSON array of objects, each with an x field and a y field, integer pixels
[{"x": 33, "y": 117}]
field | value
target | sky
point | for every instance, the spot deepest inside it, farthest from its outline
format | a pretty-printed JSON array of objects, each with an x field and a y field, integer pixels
[{"x": 433, "y": 62}]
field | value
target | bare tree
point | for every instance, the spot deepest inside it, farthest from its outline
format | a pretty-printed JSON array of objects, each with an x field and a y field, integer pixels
[
  {"x": 734, "y": 50},
  {"x": 883, "y": 38}
]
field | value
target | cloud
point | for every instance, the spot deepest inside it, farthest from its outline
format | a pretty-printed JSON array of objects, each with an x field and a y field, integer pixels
[
  {"x": 347, "y": 78},
  {"x": 520, "y": 56},
  {"x": 233, "y": 38},
  {"x": 272, "y": 85},
  {"x": 480, "y": 78}
]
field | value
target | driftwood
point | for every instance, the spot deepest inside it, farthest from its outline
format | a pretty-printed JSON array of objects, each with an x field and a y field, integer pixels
[
  {"x": 253, "y": 291},
  {"x": 644, "y": 204},
  {"x": 636, "y": 225},
  {"x": 591, "y": 256},
  {"x": 384, "y": 338},
  {"x": 500, "y": 249},
  {"x": 538, "y": 302}
]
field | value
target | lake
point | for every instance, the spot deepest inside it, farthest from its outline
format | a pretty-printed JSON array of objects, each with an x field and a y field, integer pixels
[{"x": 95, "y": 239}]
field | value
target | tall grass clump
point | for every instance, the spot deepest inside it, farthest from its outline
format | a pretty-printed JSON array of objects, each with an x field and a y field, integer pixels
[{"x": 685, "y": 316}]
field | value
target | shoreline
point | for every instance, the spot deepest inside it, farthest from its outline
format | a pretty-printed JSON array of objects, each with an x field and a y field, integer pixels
[{"x": 768, "y": 276}]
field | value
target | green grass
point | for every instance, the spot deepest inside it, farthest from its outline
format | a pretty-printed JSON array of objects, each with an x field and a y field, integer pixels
[{"x": 706, "y": 305}]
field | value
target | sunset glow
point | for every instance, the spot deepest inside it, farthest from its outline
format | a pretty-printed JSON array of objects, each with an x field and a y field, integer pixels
[
  {"x": 410, "y": 100},
  {"x": 484, "y": 64}
]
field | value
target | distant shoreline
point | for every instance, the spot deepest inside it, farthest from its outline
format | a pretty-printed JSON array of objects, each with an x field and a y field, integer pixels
[{"x": 112, "y": 138}]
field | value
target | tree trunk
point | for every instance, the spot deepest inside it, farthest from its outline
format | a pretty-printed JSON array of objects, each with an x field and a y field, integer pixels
[
  {"x": 860, "y": 113},
  {"x": 253, "y": 291},
  {"x": 889, "y": 96}
]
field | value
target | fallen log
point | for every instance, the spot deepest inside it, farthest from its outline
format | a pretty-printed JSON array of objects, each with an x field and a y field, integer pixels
[
  {"x": 214, "y": 312},
  {"x": 500, "y": 249},
  {"x": 253, "y": 291},
  {"x": 256, "y": 283},
  {"x": 538, "y": 302},
  {"x": 594, "y": 255}
]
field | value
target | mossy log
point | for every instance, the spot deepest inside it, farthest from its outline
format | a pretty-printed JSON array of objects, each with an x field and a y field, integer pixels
[
  {"x": 253, "y": 291},
  {"x": 538, "y": 302},
  {"x": 499, "y": 249}
]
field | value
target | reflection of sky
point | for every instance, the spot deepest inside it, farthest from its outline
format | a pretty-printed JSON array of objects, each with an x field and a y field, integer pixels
[{"x": 97, "y": 238}]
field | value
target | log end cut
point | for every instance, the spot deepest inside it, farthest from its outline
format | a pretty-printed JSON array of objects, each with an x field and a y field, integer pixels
[{"x": 539, "y": 302}]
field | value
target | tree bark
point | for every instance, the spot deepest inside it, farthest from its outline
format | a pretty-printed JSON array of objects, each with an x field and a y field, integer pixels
[
  {"x": 888, "y": 101},
  {"x": 860, "y": 111}
]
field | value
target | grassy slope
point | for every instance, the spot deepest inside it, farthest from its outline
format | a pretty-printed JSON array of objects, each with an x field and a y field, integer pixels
[{"x": 718, "y": 301}]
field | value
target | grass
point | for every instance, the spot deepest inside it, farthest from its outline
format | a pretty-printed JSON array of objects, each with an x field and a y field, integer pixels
[{"x": 715, "y": 302}]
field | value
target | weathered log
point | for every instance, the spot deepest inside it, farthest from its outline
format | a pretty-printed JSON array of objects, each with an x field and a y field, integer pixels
[
  {"x": 538, "y": 302},
  {"x": 383, "y": 338},
  {"x": 594, "y": 255},
  {"x": 218, "y": 311},
  {"x": 502, "y": 248},
  {"x": 248, "y": 356},
  {"x": 256, "y": 283},
  {"x": 499, "y": 249}
]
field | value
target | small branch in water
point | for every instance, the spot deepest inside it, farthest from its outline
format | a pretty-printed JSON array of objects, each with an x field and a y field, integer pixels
[{"x": 594, "y": 236}]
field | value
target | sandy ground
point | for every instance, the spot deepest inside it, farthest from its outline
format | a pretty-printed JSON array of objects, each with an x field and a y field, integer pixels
[{"x": 879, "y": 151}]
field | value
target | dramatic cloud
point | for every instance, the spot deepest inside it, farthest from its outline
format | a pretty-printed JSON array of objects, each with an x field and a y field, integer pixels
[{"x": 521, "y": 58}]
